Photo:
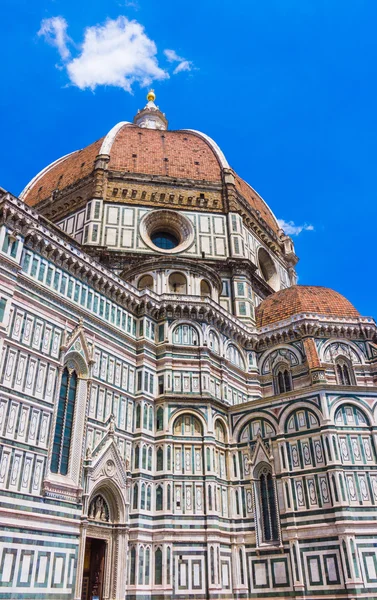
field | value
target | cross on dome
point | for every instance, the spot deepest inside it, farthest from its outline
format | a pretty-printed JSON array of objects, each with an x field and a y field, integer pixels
[{"x": 151, "y": 117}]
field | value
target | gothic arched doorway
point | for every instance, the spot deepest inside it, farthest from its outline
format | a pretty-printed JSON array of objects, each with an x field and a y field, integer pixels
[
  {"x": 103, "y": 546},
  {"x": 96, "y": 550}
]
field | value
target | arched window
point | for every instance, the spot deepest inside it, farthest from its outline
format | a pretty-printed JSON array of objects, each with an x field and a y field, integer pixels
[
  {"x": 147, "y": 565},
  {"x": 212, "y": 560},
  {"x": 136, "y": 496},
  {"x": 150, "y": 458},
  {"x": 242, "y": 576},
  {"x": 188, "y": 425},
  {"x": 168, "y": 565},
  {"x": 213, "y": 342},
  {"x": 145, "y": 282},
  {"x": 210, "y": 497},
  {"x": 268, "y": 506},
  {"x": 133, "y": 565},
  {"x": 160, "y": 419},
  {"x": 145, "y": 416},
  {"x": 185, "y": 335},
  {"x": 220, "y": 431},
  {"x": 158, "y": 567},
  {"x": 234, "y": 356},
  {"x": 141, "y": 565},
  {"x": 138, "y": 416},
  {"x": 142, "y": 497},
  {"x": 205, "y": 288},
  {"x": 144, "y": 462},
  {"x": 282, "y": 379},
  {"x": 168, "y": 500},
  {"x": 64, "y": 422},
  {"x": 344, "y": 372},
  {"x": 137, "y": 457},
  {"x": 159, "y": 497},
  {"x": 177, "y": 283},
  {"x": 149, "y": 498},
  {"x": 160, "y": 460}
]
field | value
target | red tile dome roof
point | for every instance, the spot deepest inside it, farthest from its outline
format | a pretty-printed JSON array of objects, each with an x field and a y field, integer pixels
[
  {"x": 183, "y": 154},
  {"x": 303, "y": 299}
]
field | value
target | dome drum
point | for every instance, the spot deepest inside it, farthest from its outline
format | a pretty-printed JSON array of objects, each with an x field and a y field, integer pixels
[{"x": 169, "y": 275}]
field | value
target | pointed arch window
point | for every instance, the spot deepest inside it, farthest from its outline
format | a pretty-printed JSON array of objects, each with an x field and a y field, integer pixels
[
  {"x": 268, "y": 521},
  {"x": 344, "y": 372},
  {"x": 159, "y": 497},
  {"x": 210, "y": 497},
  {"x": 283, "y": 379},
  {"x": 160, "y": 419},
  {"x": 212, "y": 560},
  {"x": 158, "y": 567},
  {"x": 160, "y": 460},
  {"x": 64, "y": 422},
  {"x": 137, "y": 457},
  {"x": 138, "y": 416},
  {"x": 168, "y": 565},
  {"x": 147, "y": 565},
  {"x": 141, "y": 565},
  {"x": 136, "y": 496},
  {"x": 133, "y": 565},
  {"x": 242, "y": 575}
]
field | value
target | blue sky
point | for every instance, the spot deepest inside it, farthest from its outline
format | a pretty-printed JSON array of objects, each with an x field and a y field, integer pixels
[{"x": 287, "y": 88}]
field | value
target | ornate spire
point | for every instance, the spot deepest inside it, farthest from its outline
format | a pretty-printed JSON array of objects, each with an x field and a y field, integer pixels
[{"x": 151, "y": 117}]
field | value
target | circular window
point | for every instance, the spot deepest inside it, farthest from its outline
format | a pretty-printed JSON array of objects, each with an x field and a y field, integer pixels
[
  {"x": 166, "y": 231},
  {"x": 164, "y": 240}
]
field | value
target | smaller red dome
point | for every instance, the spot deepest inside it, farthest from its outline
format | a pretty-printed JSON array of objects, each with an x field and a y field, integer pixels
[{"x": 303, "y": 299}]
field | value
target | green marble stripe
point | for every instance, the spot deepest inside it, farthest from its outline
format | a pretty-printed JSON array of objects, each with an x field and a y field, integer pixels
[
  {"x": 40, "y": 543},
  {"x": 41, "y": 511},
  {"x": 59, "y": 595},
  {"x": 298, "y": 524},
  {"x": 36, "y": 450},
  {"x": 22, "y": 396},
  {"x": 29, "y": 531}
]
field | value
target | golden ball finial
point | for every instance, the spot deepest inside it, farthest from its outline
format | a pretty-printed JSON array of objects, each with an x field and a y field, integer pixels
[{"x": 151, "y": 96}]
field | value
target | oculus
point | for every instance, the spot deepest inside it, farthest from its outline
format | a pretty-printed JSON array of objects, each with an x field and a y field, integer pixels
[
  {"x": 166, "y": 231},
  {"x": 164, "y": 240}
]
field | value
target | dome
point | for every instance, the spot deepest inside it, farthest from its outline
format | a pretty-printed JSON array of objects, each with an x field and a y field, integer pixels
[
  {"x": 303, "y": 299},
  {"x": 140, "y": 149}
]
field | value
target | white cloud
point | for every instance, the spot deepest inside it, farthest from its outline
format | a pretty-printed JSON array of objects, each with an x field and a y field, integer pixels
[
  {"x": 172, "y": 56},
  {"x": 54, "y": 31},
  {"x": 184, "y": 65},
  {"x": 291, "y": 228},
  {"x": 117, "y": 53}
]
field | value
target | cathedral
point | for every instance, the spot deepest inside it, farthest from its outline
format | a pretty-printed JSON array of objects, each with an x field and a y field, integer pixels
[{"x": 178, "y": 418}]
